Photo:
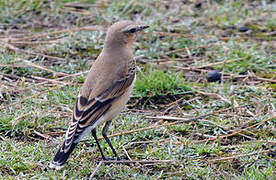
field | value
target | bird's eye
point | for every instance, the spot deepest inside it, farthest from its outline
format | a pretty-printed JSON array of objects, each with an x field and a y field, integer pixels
[{"x": 132, "y": 30}]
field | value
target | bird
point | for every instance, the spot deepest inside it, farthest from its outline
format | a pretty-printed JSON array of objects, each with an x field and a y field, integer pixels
[{"x": 105, "y": 91}]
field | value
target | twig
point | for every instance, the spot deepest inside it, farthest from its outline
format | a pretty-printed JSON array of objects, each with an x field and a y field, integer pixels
[
  {"x": 192, "y": 36},
  {"x": 177, "y": 101},
  {"x": 234, "y": 157},
  {"x": 79, "y": 5},
  {"x": 248, "y": 137},
  {"x": 42, "y": 135},
  {"x": 173, "y": 174},
  {"x": 269, "y": 33},
  {"x": 77, "y": 11},
  {"x": 237, "y": 132},
  {"x": 190, "y": 69},
  {"x": 72, "y": 75},
  {"x": 34, "y": 42},
  {"x": 176, "y": 51},
  {"x": 151, "y": 141},
  {"x": 86, "y": 28},
  {"x": 64, "y": 77},
  {"x": 12, "y": 76},
  {"x": 264, "y": 79},
  {"x": 44, "y": 69},
  {"x": 139, "y": 162},
  {"x": 96, "y": 170},
  {"x": 218, "y": 63},
  {"x": 56, "y": 133},
  {"x": 171, "y": 118},
  {"x": 3, "y": 139},
  {"x": 261, "y": 141},
  {"x": 170, "y": 60},
  {"x": 13, "y": 48},
  {"x": 51, "y": 80},
  {"x": 215, "y": 95},
  {"x": 250, "y": 127},
  {"x": 12, "y": 66},
  {"x": 203, "y": 135},
  {"x": 126, "y": 153}
]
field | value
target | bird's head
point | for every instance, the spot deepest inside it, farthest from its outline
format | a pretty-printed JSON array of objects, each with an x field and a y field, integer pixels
[{"x": 123, "y": 33}]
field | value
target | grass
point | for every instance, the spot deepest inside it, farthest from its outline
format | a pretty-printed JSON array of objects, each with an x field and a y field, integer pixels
[
  {"x": 193, "y": 36},
  {"x": 154, "y": 82}
]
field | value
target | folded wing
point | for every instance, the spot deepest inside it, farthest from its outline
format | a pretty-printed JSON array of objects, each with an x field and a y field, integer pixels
[{"x": 88, "y": 111}]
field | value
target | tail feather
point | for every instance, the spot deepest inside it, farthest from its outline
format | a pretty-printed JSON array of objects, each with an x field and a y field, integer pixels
[{"x": 62, "y": 156}]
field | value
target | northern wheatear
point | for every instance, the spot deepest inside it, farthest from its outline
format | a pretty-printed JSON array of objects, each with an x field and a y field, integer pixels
[{"x": 105, "y": 91}]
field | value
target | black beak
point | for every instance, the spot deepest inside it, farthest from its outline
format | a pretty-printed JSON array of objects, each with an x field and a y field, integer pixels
[{"x": 142, "y": 27}]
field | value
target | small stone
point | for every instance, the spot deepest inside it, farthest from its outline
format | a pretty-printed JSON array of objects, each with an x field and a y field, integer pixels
[
  {"x": 198, "y": 5},
  {"x": 213, "y": 76},
  {"x": 243, "y": 28}
]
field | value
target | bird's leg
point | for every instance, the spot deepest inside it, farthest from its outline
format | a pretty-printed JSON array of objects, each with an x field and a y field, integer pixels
[
  {"x": 105, "y": 128},
  {"x": 94, "y": 134}
]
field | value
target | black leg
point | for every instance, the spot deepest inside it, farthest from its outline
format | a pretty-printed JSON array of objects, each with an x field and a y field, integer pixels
[
  {"x": 94, "y": 134},
  {"x": 105, "y": 129}
]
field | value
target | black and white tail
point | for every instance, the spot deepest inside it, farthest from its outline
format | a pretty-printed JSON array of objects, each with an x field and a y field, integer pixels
[
  {"x": 85, "y": 114},
  {"x": 61, "y": 156},
  {"x": 68, "y": 145}
]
